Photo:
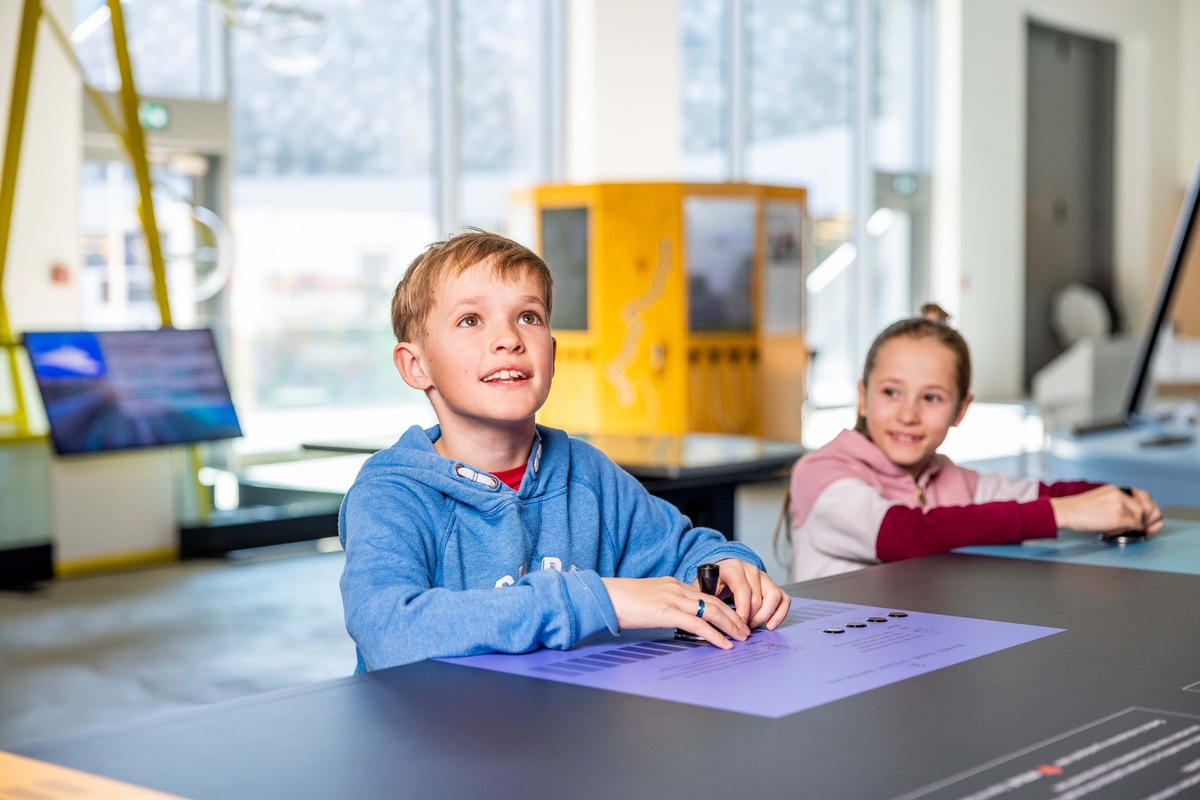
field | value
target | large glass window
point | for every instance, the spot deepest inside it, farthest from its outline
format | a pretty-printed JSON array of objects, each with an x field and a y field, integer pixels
[
  {"x": 829, "y": 95},
  {"x": 338, "y": 183},
  {"x": 332, "y": 196},
  {"x": 898, "y": 226},
  {"x": 499, "y": 63},
  {"x": 338, "y": 171},
  {"x": 176, "y": 47},
  {"x": 118, "y": 285},
  {"x": 705, "y": 57},
  {"x": 801, "y": 131}
]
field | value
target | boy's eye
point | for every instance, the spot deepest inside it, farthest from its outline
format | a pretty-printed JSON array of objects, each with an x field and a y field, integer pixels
[
  {"x": 933, "y": 398},
  {"x": 529, "y": 318},
  {"x": 469, "y": 321}
]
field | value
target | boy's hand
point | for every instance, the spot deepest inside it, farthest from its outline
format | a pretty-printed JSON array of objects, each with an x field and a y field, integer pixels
[
  {"x": 758, "y": 599},
  {"x": 1108, "y": 509},
  {"x": 668, "y": 603}
]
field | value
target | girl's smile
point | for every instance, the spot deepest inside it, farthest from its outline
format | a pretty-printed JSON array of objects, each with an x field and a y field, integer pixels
[{"x": 910, "y": 401}]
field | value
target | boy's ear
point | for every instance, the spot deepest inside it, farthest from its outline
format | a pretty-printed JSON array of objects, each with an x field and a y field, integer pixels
[
  {"x": 411, "y": 366},
  {"x": 553, "y": 354},
  {"x": 962, "y": 409}
]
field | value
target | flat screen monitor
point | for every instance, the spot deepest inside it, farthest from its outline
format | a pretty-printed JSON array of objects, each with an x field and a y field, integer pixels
[
  {"x": 120, "y": 390},
  {"x": 1141, "y": 379}
]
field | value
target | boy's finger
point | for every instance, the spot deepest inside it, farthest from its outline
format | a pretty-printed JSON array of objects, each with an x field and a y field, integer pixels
[
  {"x": 769, "y": 603},
  {"x": 734, "y": 580},
  {"x": 745, "y": 589},
  {"x": 700, "y": 627},
  {"x": 756, "y": 579},
  {"x": 781, "y": 611},
  {"x": 725, "y": 619},
  {"x": 710, "y": 635}
]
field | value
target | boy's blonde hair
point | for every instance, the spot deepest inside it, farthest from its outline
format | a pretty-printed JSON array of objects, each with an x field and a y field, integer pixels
[{"x": 447, "y": 259}]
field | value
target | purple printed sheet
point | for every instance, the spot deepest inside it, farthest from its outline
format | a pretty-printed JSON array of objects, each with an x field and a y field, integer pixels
[{"x": 823, "y": 652}]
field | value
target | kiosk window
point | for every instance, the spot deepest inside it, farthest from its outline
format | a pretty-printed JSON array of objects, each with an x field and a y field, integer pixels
[
  {"x": 565, "y": 248},
  {"x": 784, "y": 274},
  {"x": 720, "y": 262}
]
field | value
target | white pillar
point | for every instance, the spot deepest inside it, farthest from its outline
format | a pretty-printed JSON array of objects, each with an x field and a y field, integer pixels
[{"x": 623, "y": 97}]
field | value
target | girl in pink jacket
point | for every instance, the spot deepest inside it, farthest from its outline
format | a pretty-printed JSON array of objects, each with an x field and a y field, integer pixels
[{"x": 882, "y": 492}]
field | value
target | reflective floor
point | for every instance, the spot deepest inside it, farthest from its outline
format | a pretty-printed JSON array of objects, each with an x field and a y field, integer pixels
[{"x": 88, "y": 652}]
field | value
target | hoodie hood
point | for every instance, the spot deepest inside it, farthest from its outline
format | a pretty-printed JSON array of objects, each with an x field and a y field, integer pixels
[
  {"x": 853, "y": 455},
  {"x": 413, "y": 458}
]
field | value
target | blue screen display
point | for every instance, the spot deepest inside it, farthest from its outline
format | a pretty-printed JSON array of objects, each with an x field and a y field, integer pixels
[{"x": 117, "y": 390}]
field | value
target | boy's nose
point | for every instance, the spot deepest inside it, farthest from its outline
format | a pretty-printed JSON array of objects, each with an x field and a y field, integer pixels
[{"x": 508, "y": 338}]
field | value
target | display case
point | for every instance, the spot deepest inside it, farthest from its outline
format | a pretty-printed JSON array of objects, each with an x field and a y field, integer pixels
[{"x": 678, "y": 307}]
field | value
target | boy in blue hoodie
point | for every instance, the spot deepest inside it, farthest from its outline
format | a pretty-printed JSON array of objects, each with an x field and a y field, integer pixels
[{"x": 490, "y": 533}]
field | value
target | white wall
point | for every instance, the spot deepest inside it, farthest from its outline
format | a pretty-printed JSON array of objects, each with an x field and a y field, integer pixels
[
  {"x": 980, "y": 157},
  {"x": 44, "y": 228},
  {"x": 1189, "y": 108},
  {"x": 623, "y": 104},
  {"x": 101, "y": 506}
]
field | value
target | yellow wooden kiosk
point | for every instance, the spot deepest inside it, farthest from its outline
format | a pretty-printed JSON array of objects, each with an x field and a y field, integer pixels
[{"x": 678, "y": 307}]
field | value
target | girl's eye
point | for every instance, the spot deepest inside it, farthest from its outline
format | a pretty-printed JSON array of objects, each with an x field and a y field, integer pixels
[
  {"x": 933, "y": 398},
  {"x": 529, "y": 318},
  {"x": 469, "y": 321},
  {"x": 890, "y": 392}
]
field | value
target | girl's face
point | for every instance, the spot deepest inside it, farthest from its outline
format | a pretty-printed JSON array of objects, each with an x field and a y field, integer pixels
[{"x": 910, "y": 400}]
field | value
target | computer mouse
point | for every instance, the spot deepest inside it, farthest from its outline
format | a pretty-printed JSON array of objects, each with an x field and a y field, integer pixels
[{"x": 1123, "y": 537}]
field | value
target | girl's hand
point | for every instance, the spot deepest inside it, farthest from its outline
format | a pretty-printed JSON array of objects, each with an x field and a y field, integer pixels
[
  {"x": 1108, "y": 509},
  {"x": 668, "y": 603},
  {"x": 757, "y": 598}
]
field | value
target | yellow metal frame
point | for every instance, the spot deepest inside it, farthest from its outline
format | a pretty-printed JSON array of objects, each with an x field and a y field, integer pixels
[
  {"x": 18, "y": 103},
  {"x": 135, "y": 144},
  {"x": 105, "y": 564},
  {"x": 16, "y": 425}
]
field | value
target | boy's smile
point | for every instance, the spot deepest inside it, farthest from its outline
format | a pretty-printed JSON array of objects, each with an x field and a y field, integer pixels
[
  {"x": 486, "y": 357},
  {"x": 910, "y": 401}
]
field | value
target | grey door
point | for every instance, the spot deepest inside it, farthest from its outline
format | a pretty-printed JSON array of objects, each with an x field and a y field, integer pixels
[{"x": 1069, "y": 169}]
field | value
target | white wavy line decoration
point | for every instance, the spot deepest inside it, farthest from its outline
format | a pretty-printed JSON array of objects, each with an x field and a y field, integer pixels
[{"x": 617, "y": 371}]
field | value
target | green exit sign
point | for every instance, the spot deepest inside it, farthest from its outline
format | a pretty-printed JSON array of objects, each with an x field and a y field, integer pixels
[
  {"x": 154, "y": 116},
  {"x": 905, "y": 185}
]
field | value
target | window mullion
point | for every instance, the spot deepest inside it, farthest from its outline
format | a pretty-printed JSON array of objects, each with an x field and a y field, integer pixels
[
  {"x": 448, "y": 178},
  {"x": 864, "y": 187},
  {"x": 738, "y": 109}
]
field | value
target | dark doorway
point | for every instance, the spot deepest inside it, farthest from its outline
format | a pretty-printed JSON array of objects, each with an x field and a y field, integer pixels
[{"x": 1069, "y": 178}]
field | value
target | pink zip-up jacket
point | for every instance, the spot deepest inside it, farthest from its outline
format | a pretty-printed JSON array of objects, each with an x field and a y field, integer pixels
[{"x": 852, "y": 507}]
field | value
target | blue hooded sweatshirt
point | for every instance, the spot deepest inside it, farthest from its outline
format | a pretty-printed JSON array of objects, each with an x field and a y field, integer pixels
[{"x": 445, "y": 560}]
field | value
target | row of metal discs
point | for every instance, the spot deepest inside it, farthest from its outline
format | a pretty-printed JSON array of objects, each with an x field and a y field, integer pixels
[{"x": 835, "y": 629}]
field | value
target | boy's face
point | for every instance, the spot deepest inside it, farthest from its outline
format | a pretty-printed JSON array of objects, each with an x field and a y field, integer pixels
[{"x": 487, "y": 355}]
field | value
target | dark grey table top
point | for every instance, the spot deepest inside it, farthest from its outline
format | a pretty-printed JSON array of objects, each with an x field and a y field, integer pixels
[{"x": 432, "y": 729}]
